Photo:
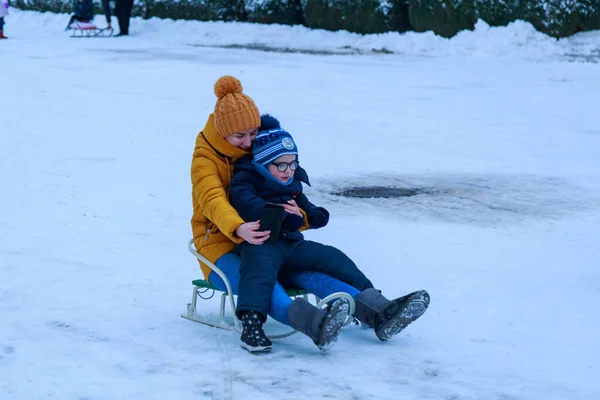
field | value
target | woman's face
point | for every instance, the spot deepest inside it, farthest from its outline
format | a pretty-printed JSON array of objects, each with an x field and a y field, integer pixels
[{"x": 243, "y": 139}]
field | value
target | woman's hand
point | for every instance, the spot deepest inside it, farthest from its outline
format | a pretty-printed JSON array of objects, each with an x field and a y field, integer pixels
[
  {"x": 292, "y": 208},
  {"x": 251, "y": 234}
]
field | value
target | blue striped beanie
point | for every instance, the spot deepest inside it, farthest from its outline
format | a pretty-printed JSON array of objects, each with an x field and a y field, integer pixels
[{"x": 271, "y": 144}]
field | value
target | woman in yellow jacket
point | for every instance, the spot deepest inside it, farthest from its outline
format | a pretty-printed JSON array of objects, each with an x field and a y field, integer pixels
[{"x": 227, "y": 136}]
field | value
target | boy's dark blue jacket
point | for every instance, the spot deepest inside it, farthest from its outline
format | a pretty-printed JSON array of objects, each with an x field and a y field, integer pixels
[{"x": 250, "y": 190}]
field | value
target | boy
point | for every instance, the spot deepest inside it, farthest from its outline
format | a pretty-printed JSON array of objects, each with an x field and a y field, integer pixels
[{"x": 272, "y": 175}]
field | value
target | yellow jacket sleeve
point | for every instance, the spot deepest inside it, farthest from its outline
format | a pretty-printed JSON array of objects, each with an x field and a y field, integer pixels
[
  {"x": 305, "y": 225},
  {"x": 210, "y": 192}
]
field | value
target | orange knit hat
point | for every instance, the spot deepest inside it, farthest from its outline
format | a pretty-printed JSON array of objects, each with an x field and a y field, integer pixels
[{"x": 234, "y": 111}]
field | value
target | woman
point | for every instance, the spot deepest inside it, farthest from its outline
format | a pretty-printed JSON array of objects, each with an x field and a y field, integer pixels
[{"x": 217, "y": 228}]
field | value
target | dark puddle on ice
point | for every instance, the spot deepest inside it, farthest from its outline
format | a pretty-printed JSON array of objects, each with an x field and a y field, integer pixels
[
  {"x": 480, "y": 199},
  {"x": 380, "y": 192},
  {"x": 344, "y": 50}
]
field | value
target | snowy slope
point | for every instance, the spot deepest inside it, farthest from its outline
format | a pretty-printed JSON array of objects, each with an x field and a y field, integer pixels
[{"x": 97, "y": 138}]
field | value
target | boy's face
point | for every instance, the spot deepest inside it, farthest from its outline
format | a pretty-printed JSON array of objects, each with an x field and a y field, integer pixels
[{"x": 283, "y": 176}]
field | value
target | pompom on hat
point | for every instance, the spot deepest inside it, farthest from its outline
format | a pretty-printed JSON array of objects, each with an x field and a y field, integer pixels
[{"x": 234, "y": 111}]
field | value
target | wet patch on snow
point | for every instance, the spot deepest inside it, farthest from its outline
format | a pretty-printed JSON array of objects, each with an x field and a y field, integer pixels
[
  {"x": 344, "y": 50},
  {"x": 375, "y": 192},
  {"x": 481, "y": 199}
]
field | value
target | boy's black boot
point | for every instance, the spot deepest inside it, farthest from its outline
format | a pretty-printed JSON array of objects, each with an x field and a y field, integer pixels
[{"x": 253, "y": 337}]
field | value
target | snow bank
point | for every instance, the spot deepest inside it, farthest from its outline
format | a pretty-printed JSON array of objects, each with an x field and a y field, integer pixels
[{"x": 517, "y": 40}]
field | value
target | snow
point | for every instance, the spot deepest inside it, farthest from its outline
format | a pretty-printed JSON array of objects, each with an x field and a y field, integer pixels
[
  {"x": 497, "y": 125},
  {"x": 519, "y": 40}
]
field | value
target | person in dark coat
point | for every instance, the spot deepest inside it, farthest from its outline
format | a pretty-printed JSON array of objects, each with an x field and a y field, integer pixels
[
  {"x": 272, "y": 175},
  {"x": 123, "y": 13}
]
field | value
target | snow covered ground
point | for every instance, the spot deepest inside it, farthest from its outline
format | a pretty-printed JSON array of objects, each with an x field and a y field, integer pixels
[{"x": 97, "y": 137}]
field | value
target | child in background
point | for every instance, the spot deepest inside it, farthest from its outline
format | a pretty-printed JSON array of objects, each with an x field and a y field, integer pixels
[
  {"x": 83, "y": 11},
  {"x": 3, "y": 13}
]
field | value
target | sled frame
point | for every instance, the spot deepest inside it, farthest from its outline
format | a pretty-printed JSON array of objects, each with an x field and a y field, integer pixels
[
  {"x": 91, "y": 32},
  {"x": 201, "y": 286}
]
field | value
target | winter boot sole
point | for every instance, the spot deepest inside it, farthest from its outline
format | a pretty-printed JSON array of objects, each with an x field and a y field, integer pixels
[
  {"x": 332, "y": 324},
  {"x": 255, "y": 349},
  {"x": 415, "y": 305}
]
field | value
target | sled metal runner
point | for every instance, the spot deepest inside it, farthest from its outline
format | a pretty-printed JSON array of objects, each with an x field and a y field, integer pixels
[
  {"x": 87, "y": 30},
  {"x": 202, "y": 286}
]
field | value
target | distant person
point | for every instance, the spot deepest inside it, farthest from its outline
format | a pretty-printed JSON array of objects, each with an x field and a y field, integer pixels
[
  {"x": 123, "y": 13},
  {"x": 3, "y": 13}
]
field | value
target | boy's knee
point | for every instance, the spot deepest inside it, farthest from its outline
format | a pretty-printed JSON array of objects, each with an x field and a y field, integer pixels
[
  {"x": 259, "y": 269},
  {"x": 336, "y": 255}
]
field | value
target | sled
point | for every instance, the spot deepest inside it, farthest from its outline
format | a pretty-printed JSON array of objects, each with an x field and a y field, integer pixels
[
  {"x": 88, "y": 29},
  {"x": 231, "y": 322}
]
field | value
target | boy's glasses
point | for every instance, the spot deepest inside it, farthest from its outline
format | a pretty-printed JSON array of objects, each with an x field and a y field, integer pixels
[{"x": 283, "y": 166}]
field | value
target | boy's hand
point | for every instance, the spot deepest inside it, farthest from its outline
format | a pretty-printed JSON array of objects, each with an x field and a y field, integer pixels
[
  {"x": 292, "y": 208},
  {"x": 251, "y": 234}
]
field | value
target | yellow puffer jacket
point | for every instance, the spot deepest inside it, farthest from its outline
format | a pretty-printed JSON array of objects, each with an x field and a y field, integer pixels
[{"x": 214, "y": 221}]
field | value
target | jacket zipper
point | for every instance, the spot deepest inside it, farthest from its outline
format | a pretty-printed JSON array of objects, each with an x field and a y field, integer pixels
[{"x": 207, "y": 233}]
